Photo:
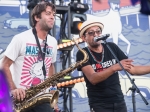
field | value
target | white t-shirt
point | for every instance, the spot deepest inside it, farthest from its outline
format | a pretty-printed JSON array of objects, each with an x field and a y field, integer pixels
[{"x": 27, "y": 67}]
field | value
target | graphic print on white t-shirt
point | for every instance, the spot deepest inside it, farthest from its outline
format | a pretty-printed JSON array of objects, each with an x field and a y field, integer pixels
[{"x": 32, "y": 73}]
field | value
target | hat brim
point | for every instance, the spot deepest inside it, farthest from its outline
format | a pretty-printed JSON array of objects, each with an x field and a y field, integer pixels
[{"x": 99, "y": 24}]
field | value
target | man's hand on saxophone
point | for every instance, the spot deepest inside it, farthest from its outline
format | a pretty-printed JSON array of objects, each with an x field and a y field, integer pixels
[{"x": 18, "y": 94}]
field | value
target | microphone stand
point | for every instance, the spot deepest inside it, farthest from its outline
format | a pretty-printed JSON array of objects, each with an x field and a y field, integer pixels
[{"x": 134, "y": 87}]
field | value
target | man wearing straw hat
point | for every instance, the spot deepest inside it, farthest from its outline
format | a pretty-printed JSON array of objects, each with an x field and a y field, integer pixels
[{"x": 100, "y": 71}]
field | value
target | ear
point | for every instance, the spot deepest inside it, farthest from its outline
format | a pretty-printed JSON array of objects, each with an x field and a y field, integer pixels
[
  {"x": 84, "y": 38},
  {"x": 36, "y": 18}
]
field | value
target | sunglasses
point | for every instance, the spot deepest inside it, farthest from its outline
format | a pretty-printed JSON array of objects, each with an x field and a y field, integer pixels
[{"x": 92, "y": 33}]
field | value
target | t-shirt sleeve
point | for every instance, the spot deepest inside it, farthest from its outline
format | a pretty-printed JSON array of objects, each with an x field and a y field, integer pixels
[
  {"x": 54, "y": 53},
  {"x": 13, "y": 49},
  {"x": 79, "y": 57}
]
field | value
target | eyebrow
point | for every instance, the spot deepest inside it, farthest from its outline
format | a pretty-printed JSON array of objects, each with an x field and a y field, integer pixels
[{"x": 50, "y": 12}]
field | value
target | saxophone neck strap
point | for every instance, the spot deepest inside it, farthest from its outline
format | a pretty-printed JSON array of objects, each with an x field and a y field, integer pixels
[{"x": 44, "y": 50}]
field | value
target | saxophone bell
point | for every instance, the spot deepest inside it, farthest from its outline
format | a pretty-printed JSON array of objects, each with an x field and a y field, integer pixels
[{"x": 54, "y": 99}]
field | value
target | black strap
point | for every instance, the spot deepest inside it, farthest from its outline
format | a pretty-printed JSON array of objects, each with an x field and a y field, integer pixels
[{"x": 42, "y": 53}]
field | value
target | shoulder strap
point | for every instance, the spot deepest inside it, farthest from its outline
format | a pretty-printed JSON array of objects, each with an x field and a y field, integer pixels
[{"x": 42, "y": 53}]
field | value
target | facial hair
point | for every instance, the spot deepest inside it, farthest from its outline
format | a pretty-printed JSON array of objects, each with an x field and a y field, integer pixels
[
  {"x": 95, "y": 44},
  {"x": 45, "y": 26}
]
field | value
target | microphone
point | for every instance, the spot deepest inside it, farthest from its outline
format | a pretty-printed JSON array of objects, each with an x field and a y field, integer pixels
[{"x": 102, "y": 37}]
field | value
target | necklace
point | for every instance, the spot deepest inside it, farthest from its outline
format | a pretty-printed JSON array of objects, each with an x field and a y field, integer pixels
[{"x": 95, "y": 57}]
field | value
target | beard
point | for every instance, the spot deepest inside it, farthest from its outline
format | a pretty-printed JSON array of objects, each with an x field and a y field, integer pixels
[
  {"x": 95, "y": 44},
  {"x": 46, "y": 27}
]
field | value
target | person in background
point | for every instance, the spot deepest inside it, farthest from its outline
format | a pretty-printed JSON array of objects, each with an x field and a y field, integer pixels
[
  {"x": 101, "y": 70},
  {"x": 6, "y": 101},
  {"x": 23, "y": 53}
]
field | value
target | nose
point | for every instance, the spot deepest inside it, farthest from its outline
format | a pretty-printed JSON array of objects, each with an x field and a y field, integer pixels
[
  {"x": 95, "y": 34},
  {"x": 52, "y": 16}
]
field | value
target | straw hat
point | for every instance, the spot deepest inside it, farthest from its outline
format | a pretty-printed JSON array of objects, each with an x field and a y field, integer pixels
[{"x": 89, "y": 23}]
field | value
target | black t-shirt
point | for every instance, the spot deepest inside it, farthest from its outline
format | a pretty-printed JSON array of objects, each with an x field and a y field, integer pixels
[{"x": 109, "y": 90}]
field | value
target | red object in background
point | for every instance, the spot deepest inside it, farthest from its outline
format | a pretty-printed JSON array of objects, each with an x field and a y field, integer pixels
[
  {"x": 104, "y": 4},
  {"x": 100, "y": 6}
]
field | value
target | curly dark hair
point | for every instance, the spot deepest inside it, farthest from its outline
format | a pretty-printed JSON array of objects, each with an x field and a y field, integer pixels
[{"x": 38, "y": 9}]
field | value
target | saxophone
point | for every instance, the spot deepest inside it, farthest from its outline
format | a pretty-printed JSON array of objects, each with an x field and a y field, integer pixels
[{"x": 32, "y": 98}]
